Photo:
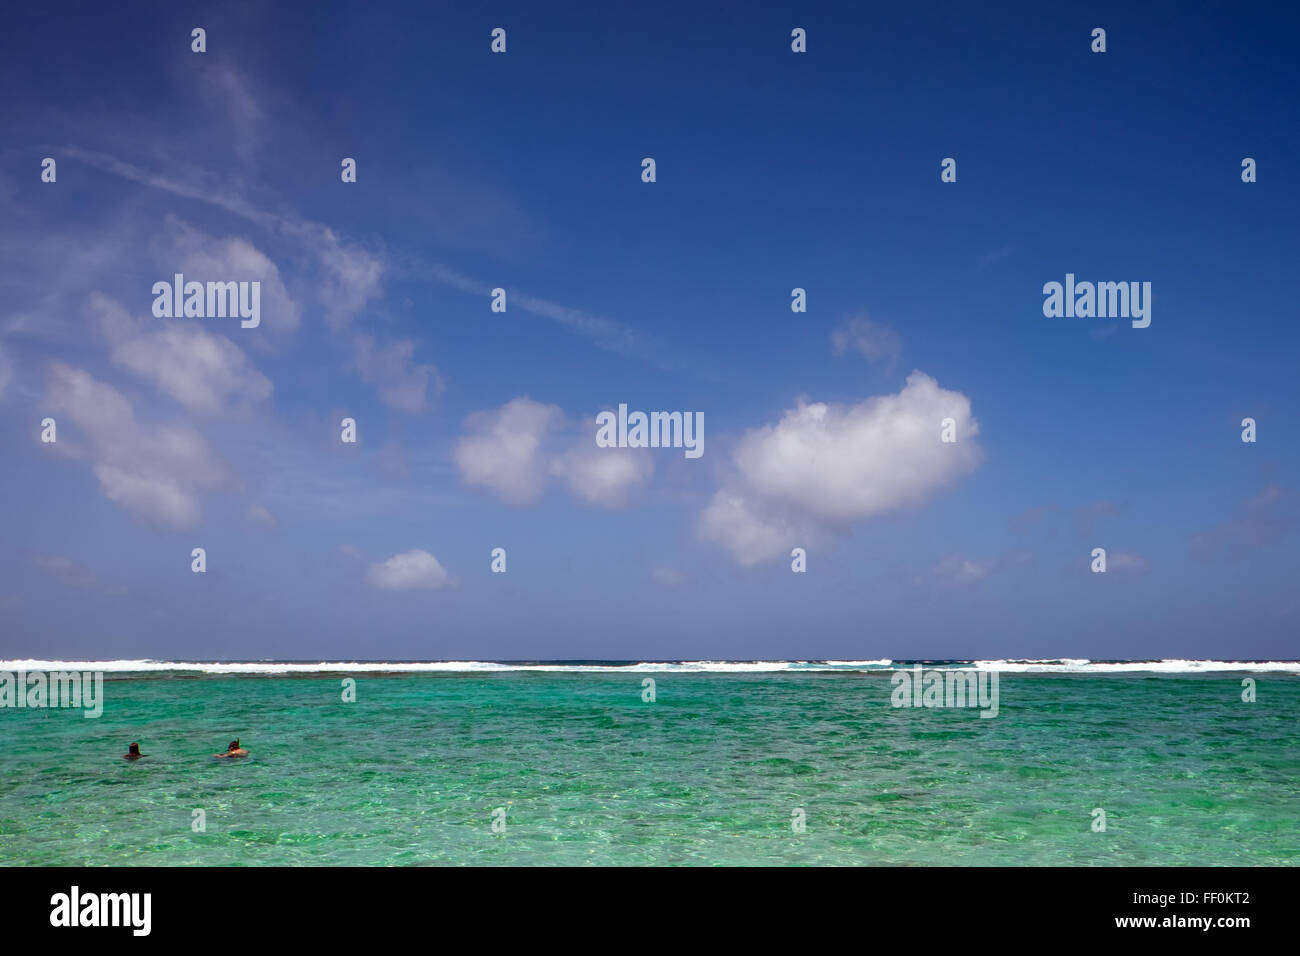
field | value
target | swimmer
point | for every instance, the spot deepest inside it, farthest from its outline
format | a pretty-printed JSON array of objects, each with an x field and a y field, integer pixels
[
  {"x": 133, "y": 753},
  {"x": 234, "y": 750}
]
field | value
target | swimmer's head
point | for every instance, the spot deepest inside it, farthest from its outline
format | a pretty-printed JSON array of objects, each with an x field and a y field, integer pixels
[
  {"x": 234, "y": 745},
  {"x": 134, "y": 750}
]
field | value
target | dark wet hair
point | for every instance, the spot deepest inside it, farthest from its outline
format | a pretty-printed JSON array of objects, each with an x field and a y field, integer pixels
[
  {"x": 234, "y": 744},
  {"x": 133, "y": 749}
]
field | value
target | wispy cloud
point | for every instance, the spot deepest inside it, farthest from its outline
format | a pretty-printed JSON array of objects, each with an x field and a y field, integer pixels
[
  {"x": 960, "y": 569},
  {"x": 158, "y": 474},
  {"x": 206, "y": 373},
  {"x": 70, "y": 572},
  {"x": 351, "y": 275},
  {"x": 232, "y": 91},
  {"x": 390, "y": 366},
  {"x": 1088, "y": 517},
  {"x": 874, "y": 341},
  {"x": 604, "y": 333},
  {"x": 1259, "y": 522}
]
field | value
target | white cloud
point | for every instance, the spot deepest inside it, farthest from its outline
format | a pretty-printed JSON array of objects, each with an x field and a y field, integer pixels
[
  {"x": 603, "y": 476},
  {"x": 204, "y": 258},
  {"x": 399, "y": 380},
  {"x": 154, "y": 473},
  {"x": 841, "y": 463},
  {"x": 204, "y": 372},
  {"x": 506, "y": 452},
  {"x": 412, "y": 571},
  {"x": 352, "y": 275},
  {"x": 752, "y": 537},
  {"x": 503, "y": 451},
  {"x": 824, "y": 467}
]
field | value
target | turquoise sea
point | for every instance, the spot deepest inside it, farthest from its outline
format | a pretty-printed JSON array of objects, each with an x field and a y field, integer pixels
[{"x": 713, "y": 771}]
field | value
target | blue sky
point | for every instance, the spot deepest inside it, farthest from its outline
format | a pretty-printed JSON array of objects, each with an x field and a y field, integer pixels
[{"x": 775, "y": 170}]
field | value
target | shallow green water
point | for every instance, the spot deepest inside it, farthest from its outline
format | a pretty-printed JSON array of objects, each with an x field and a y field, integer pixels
[{"x": 709, "y": 773}]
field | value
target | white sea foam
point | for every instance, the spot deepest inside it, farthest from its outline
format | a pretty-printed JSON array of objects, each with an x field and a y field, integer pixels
[{"x": 1064, "y": 666}]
